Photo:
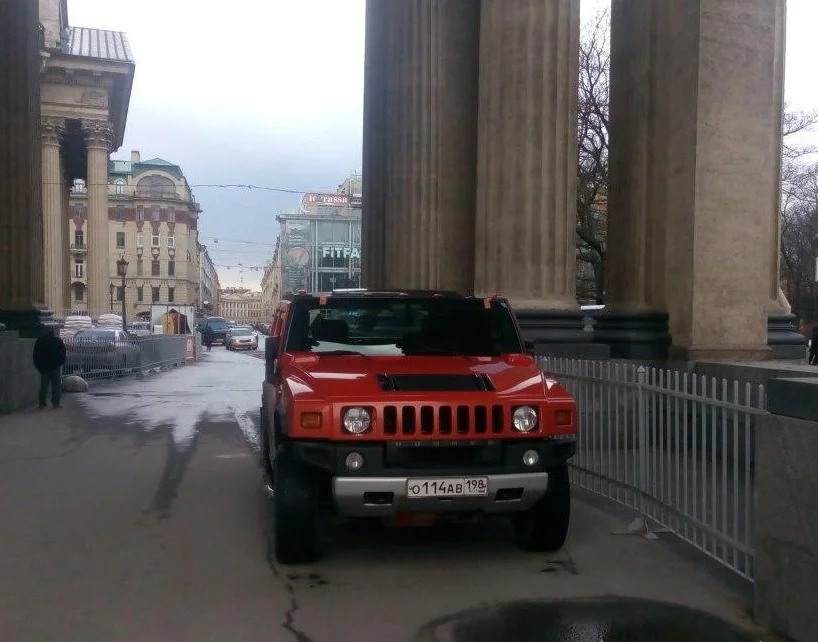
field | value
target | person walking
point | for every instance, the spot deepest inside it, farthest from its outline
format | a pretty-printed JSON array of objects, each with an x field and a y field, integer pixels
[
  {"x": 49, "y": 358},
  {"x": 813, "y": 347},
  {"x": 207, "y": 336}
]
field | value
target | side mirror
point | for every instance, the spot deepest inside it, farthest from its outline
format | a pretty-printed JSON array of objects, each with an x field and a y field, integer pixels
[
  {"x": 529, "y": 347},
  {"x": 270, "y": 358}
]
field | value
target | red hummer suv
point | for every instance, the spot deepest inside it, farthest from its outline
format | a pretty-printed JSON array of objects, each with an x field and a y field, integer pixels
[{"x": 396, "y": 404}]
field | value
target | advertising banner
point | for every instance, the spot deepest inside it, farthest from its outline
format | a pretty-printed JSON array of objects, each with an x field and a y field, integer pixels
[{"x": 298, "y": 232}]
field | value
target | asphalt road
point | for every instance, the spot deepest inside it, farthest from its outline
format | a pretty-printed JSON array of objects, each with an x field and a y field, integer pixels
[{"x": 136, "y": 512}]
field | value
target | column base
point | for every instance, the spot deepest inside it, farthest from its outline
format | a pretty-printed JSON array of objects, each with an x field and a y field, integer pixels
[
  {"x": 783, "y": 337},
  {"x": 559, "y": 333},
  {"x": 26, "y": 320},
  {"x": 679, "y": 353},
  {"x": 634, "y": 335}
]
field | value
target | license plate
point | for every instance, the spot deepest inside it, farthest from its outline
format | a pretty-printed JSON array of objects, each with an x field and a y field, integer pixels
[{"x": 447, "y": 487}]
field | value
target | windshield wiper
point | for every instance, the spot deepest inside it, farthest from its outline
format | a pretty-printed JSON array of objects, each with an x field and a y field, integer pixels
[
  {"x": 340, "y": 353},
  {"x": 428, "y": 352}
]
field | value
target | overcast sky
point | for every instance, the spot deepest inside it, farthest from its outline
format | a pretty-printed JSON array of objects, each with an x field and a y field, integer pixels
[{"x": 270, "y": 93}]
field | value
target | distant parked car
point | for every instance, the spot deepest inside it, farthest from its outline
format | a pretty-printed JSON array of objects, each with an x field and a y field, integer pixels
[
  {"x": 139, "y": 328},
  {"x": 101, "y": 349},
  {"x": 219, "y": 327},
  {"x": 241, "y": 339}
]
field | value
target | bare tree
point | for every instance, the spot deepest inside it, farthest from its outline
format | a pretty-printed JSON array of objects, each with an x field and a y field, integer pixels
[
  {"x": 799, "y": 214},
  {"x": 592, "y": 170}
]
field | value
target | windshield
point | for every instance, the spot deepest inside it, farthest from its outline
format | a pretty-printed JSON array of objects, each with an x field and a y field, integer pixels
[
  {"x": 241, "y": 332},
  {"x": 405, "y": 326},
  {"x": 102, "y": 335},
  {"x": 217, "y": 324}
]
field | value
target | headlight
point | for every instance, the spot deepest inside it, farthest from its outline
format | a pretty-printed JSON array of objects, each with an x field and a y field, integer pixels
[
  {"x": 525, "y": 419},
  {"x": 357, "y": 420}
]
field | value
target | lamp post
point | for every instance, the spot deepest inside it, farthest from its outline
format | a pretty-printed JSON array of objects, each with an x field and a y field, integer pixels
[
  {"x": 122, "y": 271},
  {"x": 112, "y": 288}
]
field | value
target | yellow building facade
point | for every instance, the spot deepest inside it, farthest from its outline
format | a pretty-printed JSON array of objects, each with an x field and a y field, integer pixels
[
  {"x": 241, "y": 306},
  {"x": 152, "y": 222}
]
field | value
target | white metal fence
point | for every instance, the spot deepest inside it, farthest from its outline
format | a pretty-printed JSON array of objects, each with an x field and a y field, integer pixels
[
  {"x": 676, "y": 447},
  {"x": 101, "y": 356}
]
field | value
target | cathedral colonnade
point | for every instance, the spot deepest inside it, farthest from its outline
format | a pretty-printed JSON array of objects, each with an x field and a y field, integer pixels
[{"x": 470, "y": 112}]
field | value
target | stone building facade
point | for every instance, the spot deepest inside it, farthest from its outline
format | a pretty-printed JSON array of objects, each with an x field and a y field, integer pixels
[
  {"x": 151, "y": 221},
  {"x": 85, "y": 90},
  {"x": 271, "y": 284},
  {"x": 240, "y": 305},
  {"x": 208, "y": 282}
]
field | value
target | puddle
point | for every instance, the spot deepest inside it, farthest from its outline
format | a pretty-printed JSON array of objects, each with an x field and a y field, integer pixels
[{"x": 604, "y": 620}]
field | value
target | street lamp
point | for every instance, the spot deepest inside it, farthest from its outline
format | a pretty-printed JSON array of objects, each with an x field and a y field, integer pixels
[
  {"x": 112, "y": 287},
  {"x": 122, "y": 271}
]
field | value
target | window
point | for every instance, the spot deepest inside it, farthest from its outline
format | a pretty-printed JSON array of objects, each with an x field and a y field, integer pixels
[
  {"x": 171, "y": 241},
  {"x": 140, "y": 240},
  {"x": 171, "y": 293},
  {"x": 171, "y": 268},
  {"x": 79, "y": 292},
  {"x": 140, "y": 213},
  {"x": 119, "y": 213},
  {"x": 120, "y": 239},
  {"x": 79, "y": 238},
  {"x": 79, "y": 268},
  {"x": 119, "y": 187},
  {"x": 139, "y": 293},
  {"x": 171, "y": 216},
  {"x": 155, "y": 240},
  {"x": 120, "y": 293},
  {"x": 154, "y": 268},
  {"x": 139, "y": 268},
  {"x": 155, "y": 295},
  {"x": 155, "y": 216}
]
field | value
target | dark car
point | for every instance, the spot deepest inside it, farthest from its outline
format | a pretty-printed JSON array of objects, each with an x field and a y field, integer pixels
[{"x": 219, "y": 327}]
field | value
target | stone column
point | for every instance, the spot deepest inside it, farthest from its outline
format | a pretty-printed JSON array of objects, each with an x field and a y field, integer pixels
[
  {"x": 98, "y": 136},
  {"x": 52, "y": 130},
  {"x": 527, "y": 163},
  {"x": 709, "y": 161},
  {"x": 426, "y": 130},
  {"x": 374, "y": 210},
  {"x": 635, "y": 324},
  {"x": 21, "y": 241}
]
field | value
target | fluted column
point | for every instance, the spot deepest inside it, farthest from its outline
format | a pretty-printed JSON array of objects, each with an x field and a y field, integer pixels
[
  {"x": 98, "y": 135},
  {"x": 21, "y": 271},
  {"x": 527, "y": 156},
  {"x": 425, "y": 122},
  {"x": 52, "y": 130},
  {"x": 374, "y": 210},
  {"x": 696, "y": 112}
]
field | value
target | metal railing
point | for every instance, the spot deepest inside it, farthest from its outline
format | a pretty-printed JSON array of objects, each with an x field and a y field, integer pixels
[
  {"x": 96, "y": 359},
  {"x": 676, "y": 447}
]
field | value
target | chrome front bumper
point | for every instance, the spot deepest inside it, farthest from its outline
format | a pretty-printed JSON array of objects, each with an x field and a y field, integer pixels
[{"x": 367, "y": 496}]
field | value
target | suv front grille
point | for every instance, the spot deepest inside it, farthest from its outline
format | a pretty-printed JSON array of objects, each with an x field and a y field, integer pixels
[{"x": 444, "y": 420}]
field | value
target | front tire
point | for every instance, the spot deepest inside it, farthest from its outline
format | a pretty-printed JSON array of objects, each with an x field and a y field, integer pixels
[
  {"x": 544, "y": 527},
  {"x": 296, "y": 527}
]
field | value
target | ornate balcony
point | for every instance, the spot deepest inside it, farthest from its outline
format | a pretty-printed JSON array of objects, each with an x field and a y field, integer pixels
[{"x": 79, "y": 248}]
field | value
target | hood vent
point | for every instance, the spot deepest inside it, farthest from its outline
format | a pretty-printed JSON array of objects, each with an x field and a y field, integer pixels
[{"x": 435, "y": 383}]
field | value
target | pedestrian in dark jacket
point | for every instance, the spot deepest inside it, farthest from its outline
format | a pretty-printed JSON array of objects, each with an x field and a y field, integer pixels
[
  {"x": 49, "y": 358},
  {"x": 813, "y": 347},
  {"x": 207, "y": 336}
]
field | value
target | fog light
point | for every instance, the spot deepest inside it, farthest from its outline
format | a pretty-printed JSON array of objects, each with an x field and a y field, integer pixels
[
  {"x": 354, "y": 461},
  {"x": 531, "y": 457}
]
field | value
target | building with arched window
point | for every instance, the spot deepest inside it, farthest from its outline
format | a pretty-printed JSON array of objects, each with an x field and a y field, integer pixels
[{"x": 152, "y": 223}]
